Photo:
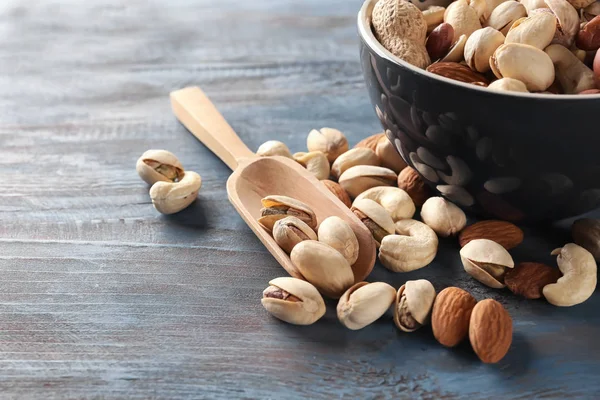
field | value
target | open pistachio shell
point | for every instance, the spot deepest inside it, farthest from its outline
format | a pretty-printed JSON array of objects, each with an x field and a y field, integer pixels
[
  {"x": 294, "y": 301},
  {"x": 486, "y": 261},
  {"x": 278, "y": 207},
  {"x": 414, "y": 301},
  {"x": 364, "y": 303}
]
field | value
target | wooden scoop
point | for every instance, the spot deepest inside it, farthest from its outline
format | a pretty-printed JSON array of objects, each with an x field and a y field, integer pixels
[{"x": 254, "y": 178}]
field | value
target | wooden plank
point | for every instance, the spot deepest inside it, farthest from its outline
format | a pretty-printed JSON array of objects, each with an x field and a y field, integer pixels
[{"x": 101, "y": 297}]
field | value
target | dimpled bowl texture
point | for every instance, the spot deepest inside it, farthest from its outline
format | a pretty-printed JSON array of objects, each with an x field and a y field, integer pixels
[{"x": 517, "y": 157}]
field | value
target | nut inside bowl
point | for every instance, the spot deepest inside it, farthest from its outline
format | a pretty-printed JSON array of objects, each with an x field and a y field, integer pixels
[{"x": 511, "y": 155}]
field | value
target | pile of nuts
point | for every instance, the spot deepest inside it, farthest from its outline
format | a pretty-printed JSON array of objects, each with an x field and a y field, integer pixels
[
  {"x": 172, "y": 188},
  {"x": 324, "y": 251},
  {"x": 542, "y": 46}
]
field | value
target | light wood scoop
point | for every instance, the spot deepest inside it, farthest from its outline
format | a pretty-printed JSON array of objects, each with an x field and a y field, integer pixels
[{"x": 254, "y": 178}]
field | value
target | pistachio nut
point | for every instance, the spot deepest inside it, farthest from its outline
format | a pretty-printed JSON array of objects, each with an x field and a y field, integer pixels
[
  {"x": 508, "y": 85},
  {"x": 323, "y": 266},
  {"x": 480, "y": 46},
  {"x": 290, "y": 231},
  {"x": 579, "y": 4},
  {"x": 375, "y": 217},
  {"x": 273, "y": 148},
  {"x": 457, "y": 51},
  {"x": 338, "y": 234},
  {"x": 294, "y": 301},
  {"x": 531, "y": 5},
  {"x": 573, "y": 75},
  {"x": 434, "y": 15},
  {"x": 172, "y": 197},
  {"x": 481, "y": 8},
  {"x": 395, "y": 200},
  {"x": 445, "y": 218},
  {"x": 514, "y": 60},
  {"x": 462, "y": 17},
  {"x": 389, "y": 156},
  {"x": 279, "y": 207},
  {"x": 567, "y": 21},
  {"x": 505, "y": 15},
  {"x": 328, "y": 140},
  {"x": 364, "y": 303},
  {"x": 413, "y": 305},
  {"x": 360, "y": 178},
  {"x": 414, "y": 245},
  {"x": 353, "y": 157},
  {"x": 315, "y": 162},
  {"x": 486, "y": 261},
  {"x": 537, "y": 30},
  {"x": 159, "y": 166},
  {"x": 579, "y": 277}
]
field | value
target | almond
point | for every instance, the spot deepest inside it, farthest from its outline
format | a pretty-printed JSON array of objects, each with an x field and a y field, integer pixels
[
  {"x": 370, "y": 142},
  {"x": 451, "y": 314},
  {"x": 338, "y": 191},
  {"x": 528, "y": 279},
  {"x": 458, "y": 72},
  {"x": 490, "y": 331},
  {"x": 410, "y": 181},
  {"x": 504, "y": 233}
]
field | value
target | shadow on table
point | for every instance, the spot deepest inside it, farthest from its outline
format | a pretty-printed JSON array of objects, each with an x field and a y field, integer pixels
[{"x": 192, "y": 217}]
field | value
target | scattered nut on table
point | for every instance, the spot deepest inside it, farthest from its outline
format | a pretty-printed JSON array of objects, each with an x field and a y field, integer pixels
[
  {"x": 486, "y": 261},
  {"x": 414, "y": 245},
  {"x": 323, "y": 266},
  {"x": 389, "y": 156},
  {"x": 327, "y": 140},
  {"x": 279, "y": 207},
  {"x": 364, "y": 303},
  {"x": 490, "y": 331},
  {"x": 290, "y": 231},
  {"x": 360, "y": 178},
  {"x": 451, "y": 315},
  {"x": 338, "y": 191},
  {"x": 353, "y": 157},
  {"x": 315, "y": 162},
  {"x": 336, "y": 232},
  {"x": 506, "y": 234},
  {"x": 528, "y": 279},
  {"x": 445, "y": 218},
  {"x": 413, "y": 304},
  {"x": 579, "y": 277},
  {"x": 273, "y": 148},
  {"x": 159, "y": 166},
  {"x": 375, "y": 218},
  {"x": 172, "y": 197},
  {"x": 294, "y": 301},
  {"x": 411, "y": 182},
  {"x": 395, "y": 200}
]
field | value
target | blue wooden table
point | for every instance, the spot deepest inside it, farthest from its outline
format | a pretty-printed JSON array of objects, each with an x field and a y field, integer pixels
[{"x": 102, "y": 297}]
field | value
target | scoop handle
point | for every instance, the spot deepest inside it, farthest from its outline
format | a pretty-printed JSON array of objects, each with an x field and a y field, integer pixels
[{"x": 199, "y": 115}]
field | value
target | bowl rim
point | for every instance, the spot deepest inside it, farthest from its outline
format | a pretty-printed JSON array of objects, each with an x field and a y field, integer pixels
[{"x": 366, "y": 34}]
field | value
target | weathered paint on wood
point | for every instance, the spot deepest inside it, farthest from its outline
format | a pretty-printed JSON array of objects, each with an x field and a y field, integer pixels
[{"x": 101, "y": 297}]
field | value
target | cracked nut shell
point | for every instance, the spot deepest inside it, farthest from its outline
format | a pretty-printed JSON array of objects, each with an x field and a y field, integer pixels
[
  {"x": 290, "y": 231},
  {"x": 414, "y": 301},
  {"x": 486, "y": 261},
  {"x": 364, "y": 303},
  {"x": 294, "y": 301},
  {"x": 278, "y": 207},
  {"x": 159, "y": 166}
]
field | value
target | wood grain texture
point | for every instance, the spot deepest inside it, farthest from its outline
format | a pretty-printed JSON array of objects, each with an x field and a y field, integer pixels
[{"x": 101, "y": 297}]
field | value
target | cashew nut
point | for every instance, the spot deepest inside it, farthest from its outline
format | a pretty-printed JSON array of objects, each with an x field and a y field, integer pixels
[
  {"x": 395, "y": 200},
  {"x": 172, "y": 197},
  {"x": 573, "y": 75},
  {"x": 579, "y": 277},
  {"x": 412, "y": 247}
]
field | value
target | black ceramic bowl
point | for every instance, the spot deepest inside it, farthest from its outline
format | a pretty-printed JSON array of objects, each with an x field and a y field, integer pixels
[{"x": 511, "y": 156}]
